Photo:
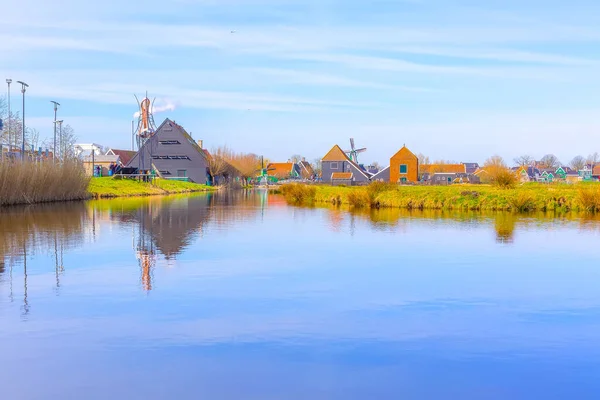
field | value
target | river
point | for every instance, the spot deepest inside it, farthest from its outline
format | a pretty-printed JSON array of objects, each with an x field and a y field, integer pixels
[{"x": 240, "y": 296}]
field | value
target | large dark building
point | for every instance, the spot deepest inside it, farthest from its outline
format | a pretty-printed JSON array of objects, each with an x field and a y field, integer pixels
[{"x": 173, "y": 153}]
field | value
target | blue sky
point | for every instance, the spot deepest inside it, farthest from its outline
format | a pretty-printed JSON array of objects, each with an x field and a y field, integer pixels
[{"x": 458, "y": 80}]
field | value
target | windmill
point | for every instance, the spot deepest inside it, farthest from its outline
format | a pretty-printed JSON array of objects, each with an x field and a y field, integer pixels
[
  {"x": 263, "y": 176},
  {"x": 353, "y": 152}
]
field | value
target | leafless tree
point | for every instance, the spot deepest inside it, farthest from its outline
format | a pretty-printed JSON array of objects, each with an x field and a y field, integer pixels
[
  {"x": 296, "y": 158},
  {"x": 316, "y": 166},
  {"x": 577, "y": 163},
  {"x": 217, "y": 163},
  {"x": 524, "y": 160},
  {"x": 593, "y": 158},
  {"x": 67, "y": 142},
  {"x": 550, "y": 161}
]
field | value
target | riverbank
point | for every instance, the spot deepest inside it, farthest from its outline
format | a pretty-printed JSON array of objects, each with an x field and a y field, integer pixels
[
  {"x": 527, "y": 197},
  {"x": 109, "y": 187}
]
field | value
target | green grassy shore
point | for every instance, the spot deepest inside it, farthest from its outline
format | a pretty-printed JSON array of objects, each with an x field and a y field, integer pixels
[
  {"x": 109, "y": 187},
  {"x": 526, "y": 197}
]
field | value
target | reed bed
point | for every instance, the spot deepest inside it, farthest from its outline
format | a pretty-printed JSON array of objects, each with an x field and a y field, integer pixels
[
  {"x": 29, "y": 182},
  {"x": 527, "y": 197}
]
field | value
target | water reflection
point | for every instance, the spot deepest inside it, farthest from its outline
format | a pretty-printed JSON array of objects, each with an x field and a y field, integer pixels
[
  {"x": 168, "y": 297},
  {"x": 161, "y": 228}
]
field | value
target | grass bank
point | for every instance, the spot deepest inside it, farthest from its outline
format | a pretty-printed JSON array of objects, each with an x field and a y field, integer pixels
[
  {"x": 28, "y": 182},
  {"x": 527, "y": 197},
  {"x": 109, "y": 187}
]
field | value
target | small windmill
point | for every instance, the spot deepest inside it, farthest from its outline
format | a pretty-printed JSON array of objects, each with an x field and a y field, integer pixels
[
  {"x": 353, "y": 152},
  {"x": 263, "y": 173}
]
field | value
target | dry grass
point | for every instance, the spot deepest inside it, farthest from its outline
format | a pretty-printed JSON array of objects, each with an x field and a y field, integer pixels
[
  {"x": 589, "y": 197},
  {"x": 28, "y": 182},
  {"x": 298, "y": 194},
  {"x": 528, "y": 197}
]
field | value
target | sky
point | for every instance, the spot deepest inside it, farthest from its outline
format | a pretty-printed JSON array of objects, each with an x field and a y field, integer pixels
[{"x": 457, "y": 80}]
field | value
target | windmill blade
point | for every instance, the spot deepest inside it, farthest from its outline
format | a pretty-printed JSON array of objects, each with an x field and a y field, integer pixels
[
  {"x": 352, "y": 143},
  {"x": 360, "y": 150}
]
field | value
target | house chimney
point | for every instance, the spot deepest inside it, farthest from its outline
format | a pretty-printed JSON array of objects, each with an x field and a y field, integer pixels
[{"x": 200, "y": 143}]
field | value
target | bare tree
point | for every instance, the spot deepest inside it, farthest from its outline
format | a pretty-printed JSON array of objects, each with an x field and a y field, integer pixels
[
  {"x": 316, "y": 166},
  {"x": 593, "y": 158},
  {"x": 67, "y": 142},
  {"x": 577, "y": 163},
  {"x": 217, "y": 164},
  {"x": 296, "y": 158},
  {"x": 247, "y": 164},
  {"x": 423, "y": 159},
  {"x": 32, "y": 138},
  {"x": 524, "y": 160},
  {"x": 550, "y": 161}
]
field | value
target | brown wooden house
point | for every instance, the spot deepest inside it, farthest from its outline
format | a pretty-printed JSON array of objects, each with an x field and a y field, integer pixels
[{"x": 404, "y": 166}]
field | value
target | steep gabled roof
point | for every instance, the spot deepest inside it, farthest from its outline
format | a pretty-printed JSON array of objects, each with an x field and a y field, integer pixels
[
  {"x": 305, "y": 165},
  {"x": 337, "y": 154},
  {"x": 280, "y": 169},
  {"x": 125, "y": 155},
  {"x": 405, "y": 152}
]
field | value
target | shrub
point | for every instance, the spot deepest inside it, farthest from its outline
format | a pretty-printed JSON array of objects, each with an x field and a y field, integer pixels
[
  {"x": 298, "y": 194},
  {"x": 589, "y": 197},
  {"x": 504, "y": 178},
  {"x": 523, "y": 202},
  {"x": 359, "y": 198}
]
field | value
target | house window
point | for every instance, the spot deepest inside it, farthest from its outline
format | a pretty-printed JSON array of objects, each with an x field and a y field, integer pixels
[
  {"x": 403, "y": 168},
  {"x": 166, "y": 142},
  {"x": 334, "y": 165},
  {"x": 181, "y": 173},
  {"x": 170, "y": 157}
]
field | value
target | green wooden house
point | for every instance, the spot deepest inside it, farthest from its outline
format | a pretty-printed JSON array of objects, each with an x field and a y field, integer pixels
[
  {"x": 547, "y": 177},
  {"x": 560, "y": 173}
]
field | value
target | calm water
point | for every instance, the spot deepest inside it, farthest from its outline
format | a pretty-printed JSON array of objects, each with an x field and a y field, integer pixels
[{"x": 242, "y": 297}]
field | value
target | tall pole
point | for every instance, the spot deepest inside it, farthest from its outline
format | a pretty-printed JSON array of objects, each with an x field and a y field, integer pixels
[
  {"x": 24, "y": 86},
  {"x": 56, "y": 104},
  {"x": 60, "y": 143},
  {"x": 8, "y": 82}
]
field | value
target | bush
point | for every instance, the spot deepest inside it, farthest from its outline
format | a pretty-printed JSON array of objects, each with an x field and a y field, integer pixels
[
  {"x": 504, "y": 178},
  {"x": 359, "y": 198},
  {"x": 298, "y": 194},
  {"x": 523, "y": 202},
  {"x": 589, "y": 197}
]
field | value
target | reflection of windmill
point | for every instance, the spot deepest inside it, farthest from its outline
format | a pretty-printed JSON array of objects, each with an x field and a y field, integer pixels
[
  {"x": 146, "y": 255},
  {"x": 353, "y": 152}
]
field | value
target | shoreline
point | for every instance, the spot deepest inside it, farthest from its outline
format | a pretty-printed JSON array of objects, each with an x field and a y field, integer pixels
[
  {"x": 109, "y": 188},
  {"x": 524, "y": 198}
]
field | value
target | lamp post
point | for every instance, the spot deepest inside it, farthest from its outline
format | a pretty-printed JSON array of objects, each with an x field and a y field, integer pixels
[
  {"x": 8, "y": 82},
  {"x": 24, "y": 87},
  {"x": 56, "y": 105}
]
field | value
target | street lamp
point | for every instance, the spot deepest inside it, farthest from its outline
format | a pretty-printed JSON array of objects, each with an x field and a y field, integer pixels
[
  {"x": 8, "y": 82},
  {"x": 56, "y": 105},
  {"x": 24, "y": 86}
]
